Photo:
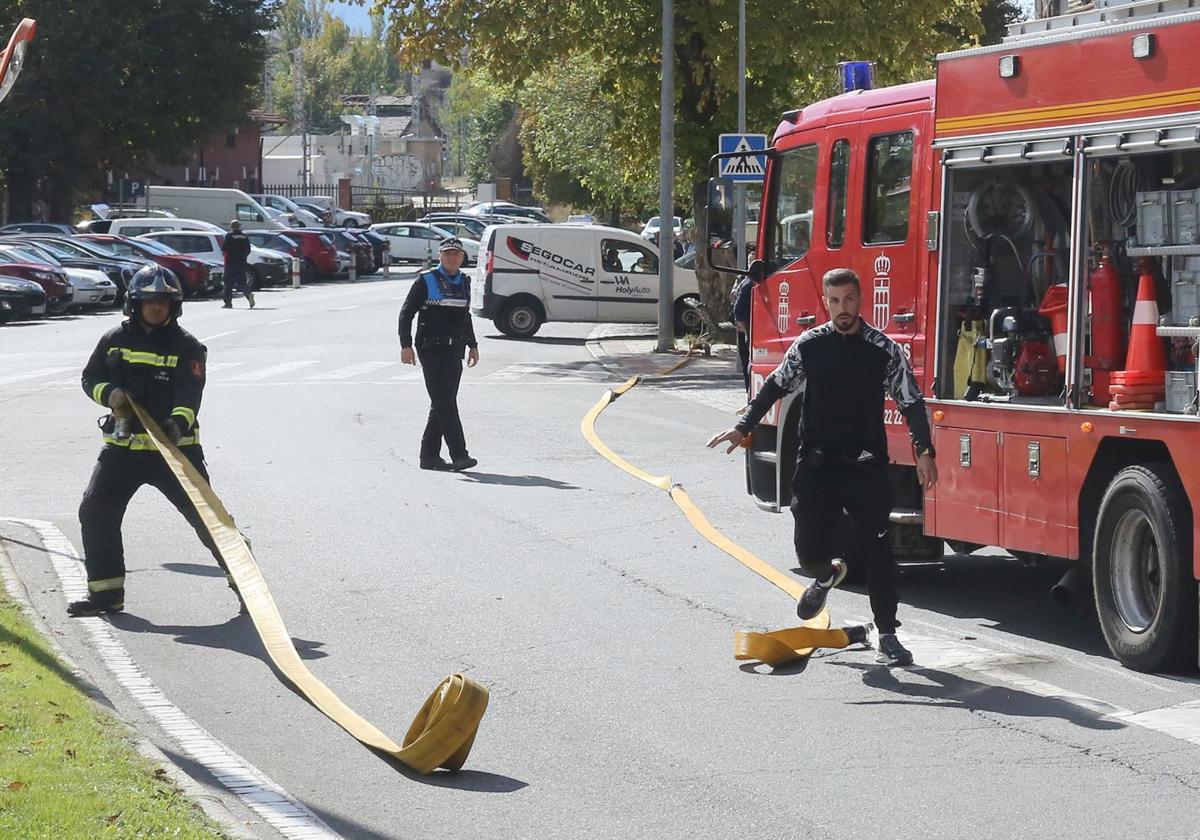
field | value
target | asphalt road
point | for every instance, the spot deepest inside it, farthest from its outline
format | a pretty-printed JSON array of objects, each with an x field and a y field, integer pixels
[{"x": 600, "y": 621}]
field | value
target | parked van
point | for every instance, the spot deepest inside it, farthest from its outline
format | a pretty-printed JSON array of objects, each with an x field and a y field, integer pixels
[
  {"x": 153, "y": 224},
  {"x": 529, "y": 274},
  {"x": 213, "y": 204}
]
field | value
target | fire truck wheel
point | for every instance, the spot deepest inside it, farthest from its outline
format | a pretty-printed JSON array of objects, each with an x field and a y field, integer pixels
[
  {"x": 521, "y": 318},
  {"x": 1145, "y": 591}
]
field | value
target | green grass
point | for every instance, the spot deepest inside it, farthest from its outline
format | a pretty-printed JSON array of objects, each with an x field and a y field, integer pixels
[{"x": 67, "y": 770}]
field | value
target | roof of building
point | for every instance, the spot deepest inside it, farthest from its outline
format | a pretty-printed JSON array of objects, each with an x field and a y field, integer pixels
[
  {"x": 363, "y": 100},
  {"x": 266, "y": 117}
]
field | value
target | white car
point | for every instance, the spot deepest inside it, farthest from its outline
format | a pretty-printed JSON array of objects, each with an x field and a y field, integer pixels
[
  {"x": 420, "y": 241},
  {"x": 297, "y": 215},
  {"x": 650, "y": 231},
  {"x": 266, "y": 267},
  {"x": 91, "y": 286},
  {"x": 346, "y": 218}
]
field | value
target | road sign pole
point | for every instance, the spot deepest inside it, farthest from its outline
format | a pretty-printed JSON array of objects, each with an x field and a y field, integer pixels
[
  {"x": 739, "y": 189},
  {"x": 666, "y": 186}
]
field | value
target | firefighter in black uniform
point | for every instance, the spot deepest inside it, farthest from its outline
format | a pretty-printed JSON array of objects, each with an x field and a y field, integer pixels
[
  {"x": 152, "y": 359},
  {"x": 442, "y": 296},
  {"x": 845, "y": 367}
]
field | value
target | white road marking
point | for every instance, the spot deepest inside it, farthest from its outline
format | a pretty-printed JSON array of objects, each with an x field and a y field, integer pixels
[
  {"x": 215, "y": 366},
  {"x": 350, "y": 372},
  {"x": 218, "y": 335},
  {"x": 281, "y": 321},
  {"x": 273, "y": 370},
  {"x": 37, "y": 374},
  {"x": 263, "y": 796},
  {"x": 344, "y": 308}
]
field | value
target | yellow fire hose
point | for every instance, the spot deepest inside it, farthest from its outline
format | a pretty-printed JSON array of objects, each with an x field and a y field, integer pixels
[
  {"x": 445, "y": 727},
  {"x": 775, "y": 648}
]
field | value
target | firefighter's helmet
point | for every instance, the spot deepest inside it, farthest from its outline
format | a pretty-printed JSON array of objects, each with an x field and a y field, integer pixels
[{"x": 153, "y": 281}]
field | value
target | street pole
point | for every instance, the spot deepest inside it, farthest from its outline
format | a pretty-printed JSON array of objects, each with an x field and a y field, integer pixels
[
  {"x": 739, "y": 189},
  {"x": 666, "y": 186}
]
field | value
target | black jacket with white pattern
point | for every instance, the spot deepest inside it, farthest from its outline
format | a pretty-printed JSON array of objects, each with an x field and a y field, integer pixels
[{"x": 845, "y": 378}]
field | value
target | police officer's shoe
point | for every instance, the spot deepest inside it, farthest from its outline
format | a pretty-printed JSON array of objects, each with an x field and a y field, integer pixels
[
  {"x": 891, "y": 652},
  {"x": 813, "y": 599},
  {"x": 440, "y": 464},
  {"x": 97, "y": 603},
  {"x": 227, "y": 306},
  {"x": 463, "y": 463}
]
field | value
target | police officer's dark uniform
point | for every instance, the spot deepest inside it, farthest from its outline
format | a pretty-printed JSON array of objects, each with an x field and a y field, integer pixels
[
  {"x": 444, "y": 331},
  {"x": 843, "y": 457},
  {"x": 163, "y": 369},
  {"x": 236, "y": 247}
]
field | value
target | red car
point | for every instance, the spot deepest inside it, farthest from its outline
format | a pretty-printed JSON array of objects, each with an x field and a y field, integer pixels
[
  {"x": 318, "y": 255},
  {"x": 197, "y": 276},
  {"x": 54, "y": 282}
]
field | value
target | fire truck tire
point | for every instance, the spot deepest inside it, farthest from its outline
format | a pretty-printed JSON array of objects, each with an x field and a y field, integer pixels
[
  {"x": 521, "y": 318},
  {"x": 1145, "y": 591}
]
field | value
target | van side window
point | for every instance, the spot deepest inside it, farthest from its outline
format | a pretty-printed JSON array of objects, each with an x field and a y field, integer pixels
[
  {"x": 246, "y": 213},
  {"x": 889, "y": 188},
  {"x": 839, "y": 180},
  {"x": 619, "y": 256},
  {"x": 794, "y": 189}
]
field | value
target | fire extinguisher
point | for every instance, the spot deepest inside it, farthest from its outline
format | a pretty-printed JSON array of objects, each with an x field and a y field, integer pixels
[{"x": 1108, "y": 345}]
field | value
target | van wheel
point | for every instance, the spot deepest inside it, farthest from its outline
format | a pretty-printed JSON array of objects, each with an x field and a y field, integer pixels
[
  {"x": 252, "y": 278},
  {"x": 687, "y": 318},
  {"x": 520, "y": 318},
  {"x": 1145, "y": 592}
]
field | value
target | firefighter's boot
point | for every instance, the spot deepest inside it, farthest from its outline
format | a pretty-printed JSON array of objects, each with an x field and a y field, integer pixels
[{"x": 111, "y": 600}]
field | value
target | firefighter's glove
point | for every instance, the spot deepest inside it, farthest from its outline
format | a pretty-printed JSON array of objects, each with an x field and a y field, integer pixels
[
  {"x": 172, "y": 430},
  {"x": 117, "y": 400}
]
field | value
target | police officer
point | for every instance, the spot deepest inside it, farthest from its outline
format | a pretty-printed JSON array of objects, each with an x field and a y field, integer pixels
[
  {"x": 442, "y": 297},
  {"x": 236, "y": 247},
  {"x": 152, "y": 359},
  {"x": 845, "y": 367}
]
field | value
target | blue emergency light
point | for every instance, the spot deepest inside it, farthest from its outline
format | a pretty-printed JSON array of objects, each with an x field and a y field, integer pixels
[{"x": 856, "y": 75}]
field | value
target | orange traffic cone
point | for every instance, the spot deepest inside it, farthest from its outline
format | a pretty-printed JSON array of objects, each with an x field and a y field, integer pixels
[{"x": 1145, "y": 347}]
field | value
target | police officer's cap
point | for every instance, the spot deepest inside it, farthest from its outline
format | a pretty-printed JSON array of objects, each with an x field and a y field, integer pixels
[{"x": 452, "y": 243}]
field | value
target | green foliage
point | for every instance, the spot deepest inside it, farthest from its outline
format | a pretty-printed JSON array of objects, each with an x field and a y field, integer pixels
[
  {"x": 110, "y": 83},
  {"x": 476, "y": 113}
]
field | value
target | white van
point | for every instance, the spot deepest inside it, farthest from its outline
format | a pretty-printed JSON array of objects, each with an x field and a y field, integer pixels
[
  {"x": 213, "y": 204},
  {"x": 136, "y": 226},
  {"x": 529, "y": 274}
]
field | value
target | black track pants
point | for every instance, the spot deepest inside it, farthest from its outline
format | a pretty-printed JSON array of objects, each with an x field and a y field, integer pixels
[
  {"x": 442, "y": 366},
  {"x": 117, "y": 476},
  {"x": 821, "y": 492}
]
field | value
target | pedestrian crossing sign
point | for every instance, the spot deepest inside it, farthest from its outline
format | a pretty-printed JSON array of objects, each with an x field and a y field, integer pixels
[{"x": 749, "y": 167}]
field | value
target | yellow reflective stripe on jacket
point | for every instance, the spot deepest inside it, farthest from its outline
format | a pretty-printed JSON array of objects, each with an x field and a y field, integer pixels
[
  {"x": 186, "y": 413},
  {"x": 142, "y": 441},
  {"x": 143, "y": 357},
  {"x": 106, "y": 585},
  {"x": 98, "y": 392}
]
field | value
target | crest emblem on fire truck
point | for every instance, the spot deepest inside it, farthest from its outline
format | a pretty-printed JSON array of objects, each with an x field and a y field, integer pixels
[
  {"x": 881, "y": 303},
  {"x": 784, "y": 289}
]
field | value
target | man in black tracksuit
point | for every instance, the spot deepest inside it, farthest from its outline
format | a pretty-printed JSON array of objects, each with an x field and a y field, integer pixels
[
  {"x": 845, "y": 367},
  {"x": 159, "y": 364},
  {"x": 236, "y": 247},
  {"x": 442, "y": 296}
]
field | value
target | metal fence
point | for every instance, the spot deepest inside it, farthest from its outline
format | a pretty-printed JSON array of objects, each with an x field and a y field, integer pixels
[{"x": 296, "y": 190}]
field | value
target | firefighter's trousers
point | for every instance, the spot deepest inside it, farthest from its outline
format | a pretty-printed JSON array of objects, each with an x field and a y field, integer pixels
[
  {"x": 443, "y": 368},
  {"x": 822, "y": 488},
  {"x": 118, "y": 475}
]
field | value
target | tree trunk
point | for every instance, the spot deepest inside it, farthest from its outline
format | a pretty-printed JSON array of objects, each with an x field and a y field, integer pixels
[{"x": 715, "y": 286}]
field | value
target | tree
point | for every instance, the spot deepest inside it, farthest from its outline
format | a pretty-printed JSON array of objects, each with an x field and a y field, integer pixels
[
  {"x": 477, "y": 112},
  {"x": 792, "y": 47},
  {"x": 111, "y": 83}
]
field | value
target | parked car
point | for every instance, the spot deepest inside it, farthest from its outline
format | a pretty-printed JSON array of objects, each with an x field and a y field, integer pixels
[
  {"x": 360, "y": 250},
  {"x": 274, "y": 241},
  {"x": 650, "y": 231},
  {"x": 74, "y": 253},
  {"x": 530, "y": 275},
  {"x": 318, "y": 254},
  {"x": 138, "y": 225},
  {"x": 380, "y": 246},
  {"x": 464, "y": 224},
  {"x": 264, "y": 268},
  {"x": 54, "y": 281},
  {"x": 299, "y": 217},
  {"x": 196, "y": 275},
  {"x": 217, "y": 205},
  {"x": 420, "y": 241},
  {"x": 90, "y": 287},
  {"x": 348, "y": 218},
  {"x": 37, "y": 227},
  {"x": 20, "y": 299},
  {"x": 507, "y": 208}
]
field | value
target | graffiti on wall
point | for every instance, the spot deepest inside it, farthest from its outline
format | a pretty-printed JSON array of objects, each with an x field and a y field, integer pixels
[{"x": 400, "y": 172}]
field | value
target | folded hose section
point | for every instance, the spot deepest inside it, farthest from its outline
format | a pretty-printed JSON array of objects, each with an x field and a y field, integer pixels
[
  {"x": 445, "y": 727},
  {"x": 775, "y": 648}
]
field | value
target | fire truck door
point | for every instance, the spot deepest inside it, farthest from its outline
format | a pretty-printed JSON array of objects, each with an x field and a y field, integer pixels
[
  {"x": 966, "y": 496},
  {"x": 1034, "y": 494}
]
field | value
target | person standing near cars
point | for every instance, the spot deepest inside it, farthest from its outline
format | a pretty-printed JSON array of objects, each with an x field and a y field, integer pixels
[
  {"x": 845, "y": 367},
  {"x": 441, "y": 296},
  {"x": 236, "y": 247},
  {"x": 153, "y": 360}
]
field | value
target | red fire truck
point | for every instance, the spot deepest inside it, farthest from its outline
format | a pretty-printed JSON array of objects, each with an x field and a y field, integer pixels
[{"x": 1027, "y": 227}]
